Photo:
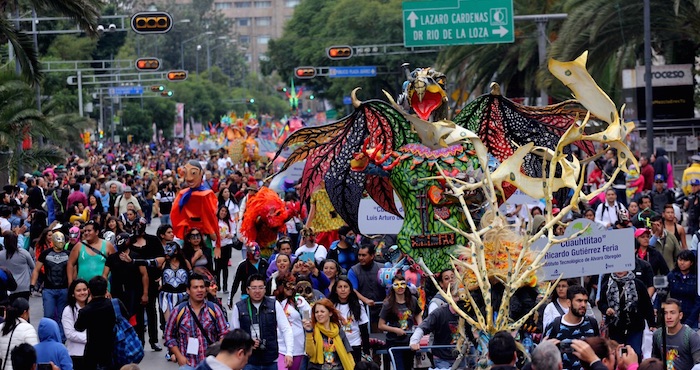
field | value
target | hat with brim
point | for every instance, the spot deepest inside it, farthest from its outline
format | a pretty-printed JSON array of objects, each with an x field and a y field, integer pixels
[{"x": 640, "y": 232}]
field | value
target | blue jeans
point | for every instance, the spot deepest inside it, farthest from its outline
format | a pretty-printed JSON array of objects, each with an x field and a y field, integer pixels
[
  {"x": 55, "y": 300},
  {"x": 442, "y": 364},
  {"x": 148, "y": 212},
  {"x": 272, "y": 366},
  {"x": 165, "y": 219}
]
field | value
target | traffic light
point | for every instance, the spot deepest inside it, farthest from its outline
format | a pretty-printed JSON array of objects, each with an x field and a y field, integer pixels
[
  {"x": 147, "y": 64},
  {"x": 252, "y": 100},
  {"x": 157, "y": 88},
  {"x": 166, "y": 94},
  {"x": 102, "y": 134},
  {"x": 339, "y": 52},
  {"x": 151, "y": 22},
  {"x": 305, "y": 72},
  {"x": 177, "y": 75},
  {"x": 311, "y": 97}
]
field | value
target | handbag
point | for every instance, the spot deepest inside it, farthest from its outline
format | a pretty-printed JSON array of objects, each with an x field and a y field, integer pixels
[
  {"x": 298, "y": 225},
  {"x": 127, "y": 346},
  {"x": 422, "y": 360}
]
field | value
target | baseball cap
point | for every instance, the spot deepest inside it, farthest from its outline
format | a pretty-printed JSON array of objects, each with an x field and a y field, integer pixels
[
  {"x": 695, "y": 158},
  {"x": 695, "y": 182},
  {"x": 127, "y": 189},
  {"x": 659, "y": 177},
  {"x": 639, "y": 232}
]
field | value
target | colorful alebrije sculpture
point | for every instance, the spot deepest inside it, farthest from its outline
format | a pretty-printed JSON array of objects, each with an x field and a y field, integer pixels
[{"x": 382, "y": 148}]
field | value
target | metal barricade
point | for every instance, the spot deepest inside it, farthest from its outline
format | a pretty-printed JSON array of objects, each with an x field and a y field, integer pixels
[{"x": 464, "y": 362}]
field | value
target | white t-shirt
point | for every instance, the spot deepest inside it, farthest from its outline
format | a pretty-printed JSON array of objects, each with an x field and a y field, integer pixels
[
  {"x": 319, "y": 252},
  {"x": 352, "y": 326},
  {"x": 294, "y": 318},
  {"x": 223, "y": 230},
  {"x": 222, "y": 163}
]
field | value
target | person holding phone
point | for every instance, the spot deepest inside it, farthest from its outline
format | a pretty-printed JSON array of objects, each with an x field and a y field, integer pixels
[{"x": 296, "y": 309}]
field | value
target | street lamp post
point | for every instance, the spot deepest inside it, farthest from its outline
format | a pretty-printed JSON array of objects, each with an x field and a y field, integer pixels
[
  {"x": 182, "y": 47},
  {"x": 199, "y": 47}
]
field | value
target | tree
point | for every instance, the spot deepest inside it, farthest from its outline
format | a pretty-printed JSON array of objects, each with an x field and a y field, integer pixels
[
  {"x": 514, "y": 66},
  {"x": 345, "y": 22},
  {"x": 613, "y": 35},
  {"x": 85, "y": 12},
  {"x": 19, "y": 120}
]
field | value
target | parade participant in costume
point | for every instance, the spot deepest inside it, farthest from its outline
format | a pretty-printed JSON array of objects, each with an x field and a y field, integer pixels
[
  {"x": 264, "y": 218},
  {"x": 195, "y": 206}
]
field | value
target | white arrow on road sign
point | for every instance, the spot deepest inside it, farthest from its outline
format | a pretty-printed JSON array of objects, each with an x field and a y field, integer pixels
[
  {"x": 502, "y": 31},
  {"x": 412, "y": 18}
]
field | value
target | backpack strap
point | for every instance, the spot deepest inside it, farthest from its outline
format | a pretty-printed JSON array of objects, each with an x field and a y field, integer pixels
[
  {"x": 555, "y": 324},
  {"x": 558, "y": 307}
]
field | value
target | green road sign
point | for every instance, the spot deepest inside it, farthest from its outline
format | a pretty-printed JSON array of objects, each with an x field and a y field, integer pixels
[{"x": 457, "y": 22}]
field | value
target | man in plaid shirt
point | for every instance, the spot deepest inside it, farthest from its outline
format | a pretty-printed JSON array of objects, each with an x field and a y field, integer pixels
[{"x": 183, "y": 332}]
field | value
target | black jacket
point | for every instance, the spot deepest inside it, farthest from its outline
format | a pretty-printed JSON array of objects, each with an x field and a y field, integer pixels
[
  {"x": 644, "y": 309},
  {"x": 98, "y": 318}
]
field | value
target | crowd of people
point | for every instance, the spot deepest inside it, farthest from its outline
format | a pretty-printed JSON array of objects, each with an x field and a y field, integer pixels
[{"x": 76, "y": 234}]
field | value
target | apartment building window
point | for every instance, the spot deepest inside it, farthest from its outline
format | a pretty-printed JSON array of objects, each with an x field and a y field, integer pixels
[
  {"x": 222, "y": 6},
  {"x": 291, "y": 3},
  {"x": 243, "y": 22},
  {"x": 248, "y": 58},
  {"x": 263, "y": 21},
  {"x": 243, "y": 4},
  {"x": 263, "y": 40},
  {"x": 244, "y": 39},
  {"x": 263, "y": 4}
]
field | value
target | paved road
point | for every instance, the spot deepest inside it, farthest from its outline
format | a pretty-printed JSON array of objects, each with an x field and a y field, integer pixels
[{"x": 152, "y": 360}]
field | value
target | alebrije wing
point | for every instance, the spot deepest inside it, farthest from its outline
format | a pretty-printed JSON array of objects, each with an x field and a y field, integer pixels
[
  {"x": 382, "y": 127},
  {"x": 504, "y": 125}
]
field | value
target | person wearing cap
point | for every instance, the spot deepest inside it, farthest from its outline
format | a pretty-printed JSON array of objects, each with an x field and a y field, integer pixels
[
  {"x": 690, "y": 173},
  {"x": 54, "y": 260},
  {"x": 121, "y": 204},
  {"x": 660, "y": 195},
  {"x": 608, "y": 212},
  {"x": 692, "y": 206},
  {"x": 646, "y": 253},
  {"x": 16, "y": 330}
]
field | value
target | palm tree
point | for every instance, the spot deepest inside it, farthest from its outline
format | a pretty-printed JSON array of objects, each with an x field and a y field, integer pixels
[
  {"x": 19, "y": 118},
  {"x": 612, "y": 32},
  {"x": 513, "y": 66},
  {"x": 85, "y": 12}
]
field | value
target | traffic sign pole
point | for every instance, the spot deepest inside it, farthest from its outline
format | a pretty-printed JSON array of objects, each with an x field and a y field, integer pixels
[{"x": 457, "y": 22}]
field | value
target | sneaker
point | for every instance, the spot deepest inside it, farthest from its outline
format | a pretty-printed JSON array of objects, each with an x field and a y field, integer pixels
[{"x": 156, "y": 347}]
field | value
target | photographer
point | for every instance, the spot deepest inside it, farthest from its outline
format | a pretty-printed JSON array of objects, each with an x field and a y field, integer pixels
[{"x": 597, "y": 354}]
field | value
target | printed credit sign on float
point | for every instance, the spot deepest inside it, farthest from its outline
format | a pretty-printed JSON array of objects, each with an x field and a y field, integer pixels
[
  {"x": 596, "y": 251},
  {"x": 374, "y": 220}
]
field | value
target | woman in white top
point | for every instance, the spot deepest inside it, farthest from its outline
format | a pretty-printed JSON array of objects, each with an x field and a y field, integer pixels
[
  {"x": 353, "y": 316},
  {"x": 226, "y": 231},
  {"x": 16, "y": 330},
  {"x": 309, "y": 246},
  {"x": 294, "y": 310},
  {"x": 75, "y": 340}
]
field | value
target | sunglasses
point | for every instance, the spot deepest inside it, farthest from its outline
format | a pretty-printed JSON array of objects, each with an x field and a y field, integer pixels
[
  {"x": 306, "y": 290},
  {"x": 399, "y": 285}
]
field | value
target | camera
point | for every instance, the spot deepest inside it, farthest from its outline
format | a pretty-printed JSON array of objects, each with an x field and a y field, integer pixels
[
  {"x": 263, "y": 344},
  {"x": 623, "y": 351},
  {"x": 565, "y": 346}
]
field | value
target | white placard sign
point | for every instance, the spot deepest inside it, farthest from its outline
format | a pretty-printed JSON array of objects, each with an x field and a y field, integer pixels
[
  {"x": 293, "y": 173},
  {"x": 374, "y": 220},
  {"x": 596, "y": 251}
]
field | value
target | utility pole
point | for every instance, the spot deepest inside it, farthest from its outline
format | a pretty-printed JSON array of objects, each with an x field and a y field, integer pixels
[{"x": 648, "y": 92}]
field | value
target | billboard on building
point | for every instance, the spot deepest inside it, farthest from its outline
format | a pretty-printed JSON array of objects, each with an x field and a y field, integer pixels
[{"x": 672, "y": 88}]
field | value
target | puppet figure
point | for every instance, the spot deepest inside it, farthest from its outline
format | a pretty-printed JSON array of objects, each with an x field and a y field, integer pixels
[{"x": 195, "y": 206}]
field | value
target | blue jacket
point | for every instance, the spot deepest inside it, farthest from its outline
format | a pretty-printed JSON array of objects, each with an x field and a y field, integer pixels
[
  {"x": 685, "y": 289},
  {"x": 50, "y": 348}
]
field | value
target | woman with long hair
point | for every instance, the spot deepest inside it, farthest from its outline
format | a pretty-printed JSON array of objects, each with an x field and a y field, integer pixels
[
  {"x": 558, "y": 303},
  {"x": 400, "y": 313},
  {"x": 16, "y": 330},
  {"x": 683, "y": 286},
  {"x": 19, "y": 262},
  {"x": 226, "y": 231},
  {"x": 226, "y": 200},
  {"x": 326, "y": 343},
  {"x": 38, "y": 225},
  {"x": 283, "y": 269},
  {"x": 78, "y": 295},
  {"x": 293, "y": 308},
  {"x": 176, "y": 269},
  {"x": 79, "y": 213},
  {"x": 353, "y": 315},
  {"x": 331, "y": 268},
  {"x": 196, "y": 252},
  {"x": 94, "y": 205},
  {"x": 43, "y": 242}
]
